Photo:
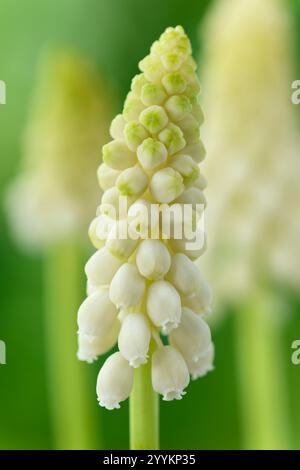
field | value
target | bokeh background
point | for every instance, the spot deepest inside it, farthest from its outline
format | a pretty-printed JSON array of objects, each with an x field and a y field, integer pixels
[{"x": 114, "y": 36}]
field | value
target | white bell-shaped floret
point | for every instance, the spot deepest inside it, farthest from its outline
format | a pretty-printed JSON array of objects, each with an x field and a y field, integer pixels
[
  {"x": 114, "y": 382},
  {"x": 203, "y": 365},
  {"x": 200, "y": 301},
  {"x": 127, "y": 286},
  {"x": 192, "y": 337},
  {"x": 170, "y": 375},
  {"x": 134, "y": 339},
  {"x": 143, "y": 219},
  {"x": 153, "y": 259},
  {"x": 101, "y": 267},
  {"x": 164, "y": 305},
  {"x": 91, "y": 347},
  {"x": 96, "y": 314}
]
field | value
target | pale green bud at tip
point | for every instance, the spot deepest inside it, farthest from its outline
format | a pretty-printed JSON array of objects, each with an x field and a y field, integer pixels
[
  {"x": 187, "y": 167},
  {"x": 152, "y": 68},
  {"x": 172, "y": 61},
  {"x": 151, "y": 154},
  {"x": 178, "y": 107},
  {"x": 172, "y": 137},
  {"x": 174, "y": 83},
  {"x": 137, "y": 84},
  {"x": 132, "y": 182},
  {"x": 152, "y": 94},
  {"x": 132, "y": 107},
  {"x": 154, "y": 119},
  {"x": 166, "y": 185},
  {"x": 134, "y": 134}
]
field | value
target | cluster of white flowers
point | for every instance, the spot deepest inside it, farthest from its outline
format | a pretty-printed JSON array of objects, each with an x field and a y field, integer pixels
[
  {"x": 254, "y": 166},
  {"x": 140, "y": 287}
]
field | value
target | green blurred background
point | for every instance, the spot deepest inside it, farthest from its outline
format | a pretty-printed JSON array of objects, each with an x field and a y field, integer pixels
[{"x": 115, "y": 35}]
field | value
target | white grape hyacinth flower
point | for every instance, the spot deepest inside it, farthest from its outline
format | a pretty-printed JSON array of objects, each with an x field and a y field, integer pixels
[{"x": 149, "y": 279}]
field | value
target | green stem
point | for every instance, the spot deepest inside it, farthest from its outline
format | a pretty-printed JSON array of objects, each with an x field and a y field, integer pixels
[
  {"x": 72, "y": 420},
  {"x": 262, "y": 389},
  {"x": 144, "y": 411}
]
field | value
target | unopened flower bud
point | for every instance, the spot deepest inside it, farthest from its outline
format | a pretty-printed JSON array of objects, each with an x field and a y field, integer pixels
[
  {"x": 190, "y": 128},
  {"x": 184, "y": 274},
  {"x": 114, "y": 382},
  {"x": 134, "y": 134},
  {"x": 96, "y": 314},
  {"x": 117, "y": 155},
  {"x": 152, "y": 69},
  {"x": 114, "y": 204},
  {"x": 164, "y": 305},
  {"x": 137, "y": 84},
  {"x": 152, "y": 94},
  {"x": 187, "y": 167},
  {"x": 196, "y": 151},
  {"x": 132, "y": 107},
  {"x": 170, "y": 375},
  {"x": 194, "y": 197},
  {"x": 203, "y": 365},
  {"x": 91, "y": 347},
  {"x": 154, "y": 118},
  {"x": 192, "y": 337},
  {"x": 119, "y": 243},
  {"x": 153, "y": 259},
  {"x": 143, "y": 219},
  {"x": 174, "y": 83},
  {"x": 127, "y": 286},
  {"x": 151, "y": 154},
  {"x": 101, "y": 267},
  {"x": 134, "y": 339},
  {"x": 117, "y": 127},
  {"x": 166, "y": 185},
  {"x": 200, "y": 301},
  {"x": 97, "y": 242},
  {"x": 172, "y": 137},
  {"x": 107, "y": 176},
  {"x": 132, "y": 182},
  {"x": 178, "y": 107}
]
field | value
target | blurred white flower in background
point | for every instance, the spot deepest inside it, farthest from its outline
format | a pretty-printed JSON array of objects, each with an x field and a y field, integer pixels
[
  {"x": 54, "y": 196},
  {"x": 252, "y": 139}
]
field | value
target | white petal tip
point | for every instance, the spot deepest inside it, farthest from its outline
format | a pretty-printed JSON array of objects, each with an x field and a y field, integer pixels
[
  {"x": 138, "y": 361},
  {"x": 170, "y": 395},
  {"x": 203, "y": 372},
  {"x": 109, "y": 404}
]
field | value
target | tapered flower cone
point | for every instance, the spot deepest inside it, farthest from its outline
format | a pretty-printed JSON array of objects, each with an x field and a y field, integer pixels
[
  {"x": 49, "y": 205},
  {"x": 254, "y": 193},
  {"x": 143, "y": 268}
]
